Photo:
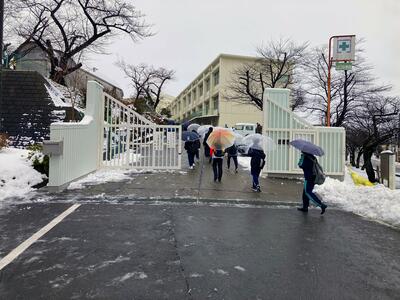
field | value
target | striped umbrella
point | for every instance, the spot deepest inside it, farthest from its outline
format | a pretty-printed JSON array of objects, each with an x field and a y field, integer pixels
[{"x": 221, "y": 138}]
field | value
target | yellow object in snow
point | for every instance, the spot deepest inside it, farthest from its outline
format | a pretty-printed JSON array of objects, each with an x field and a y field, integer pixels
[{"x": 359, "y": 180}]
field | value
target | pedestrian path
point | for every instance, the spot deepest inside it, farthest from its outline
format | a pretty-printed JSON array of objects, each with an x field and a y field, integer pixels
[{"x": 191, "y": 185}]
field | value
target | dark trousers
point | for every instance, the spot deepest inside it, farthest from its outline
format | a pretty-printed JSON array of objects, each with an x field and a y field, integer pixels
[
  {"x": 235, "y": 160},
  {"x": 309, "y": 195},
  {"x": 217, "y": 168},
  {"x": 191, "y": 158},
  {"x": 197, "y": 154},
  {"x": 256, "y": 175},
  {"x": 206, "y": 151}
]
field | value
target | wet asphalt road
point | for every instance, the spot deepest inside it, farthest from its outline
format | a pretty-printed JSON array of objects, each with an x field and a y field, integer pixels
[{"x": 187, "y": 251}]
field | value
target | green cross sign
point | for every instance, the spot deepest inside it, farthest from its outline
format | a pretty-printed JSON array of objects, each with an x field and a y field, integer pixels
[{"x": 344, "y": 46}]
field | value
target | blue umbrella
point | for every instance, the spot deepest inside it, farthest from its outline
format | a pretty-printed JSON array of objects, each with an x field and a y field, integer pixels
[
  {"x": 190, "y": 136},
  {"x": 307, "y": 147}
]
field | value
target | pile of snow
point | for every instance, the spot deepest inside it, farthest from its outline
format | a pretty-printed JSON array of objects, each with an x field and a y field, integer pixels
[
  {"x": 17, "y": 175},
  {"x": 377, "y": 202}
]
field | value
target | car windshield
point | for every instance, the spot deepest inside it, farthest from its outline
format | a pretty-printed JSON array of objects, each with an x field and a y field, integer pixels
[
  {"x": 249, "y": 127},
  {"x": 239, "y": 127}
]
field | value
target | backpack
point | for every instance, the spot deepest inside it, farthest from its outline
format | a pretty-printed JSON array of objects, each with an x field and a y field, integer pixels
[
  {"x": 319, "y": 173},
  {"x": 219, "y": 153}
]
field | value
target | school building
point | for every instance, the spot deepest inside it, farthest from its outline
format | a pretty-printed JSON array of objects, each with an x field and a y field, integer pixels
[{"x": 204, "y": 100}]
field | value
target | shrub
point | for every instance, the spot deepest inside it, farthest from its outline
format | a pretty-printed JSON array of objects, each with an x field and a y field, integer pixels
[
  {"x": 40, "y": 162},
  {"x": 3, "y": 140}
]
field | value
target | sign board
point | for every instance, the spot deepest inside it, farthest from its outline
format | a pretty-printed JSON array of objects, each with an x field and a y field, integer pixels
[
  {"x": 344, "y": 48},
  {"x": 343, "y": 66}
]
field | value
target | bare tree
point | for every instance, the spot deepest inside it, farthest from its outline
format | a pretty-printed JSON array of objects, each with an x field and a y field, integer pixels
[
  {"x": 375, "y": 122},
  {"x": 148, "y": 82},
  {"x": 76, "y": 92},
  {"x": 65, "y": 28},
  {"x": 348, "y": 88},
  {"x": 276, "y": 67}
]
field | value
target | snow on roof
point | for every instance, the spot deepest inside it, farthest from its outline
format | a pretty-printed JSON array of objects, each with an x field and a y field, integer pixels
[{"x": 102, "y": 77}]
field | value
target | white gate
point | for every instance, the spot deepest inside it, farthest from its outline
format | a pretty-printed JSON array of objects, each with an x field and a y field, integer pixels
[
  {"x": 283, "y": 126},
  {"x": 130, "y": 140}
]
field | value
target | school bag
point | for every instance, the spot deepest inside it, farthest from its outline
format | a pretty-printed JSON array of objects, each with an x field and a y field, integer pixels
[
  {"x": 218, "y": 153},
  {"x": 318, "y": 172}
]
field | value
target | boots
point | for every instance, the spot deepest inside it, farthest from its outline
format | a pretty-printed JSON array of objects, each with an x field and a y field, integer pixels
[{"x": 302, "y": 209}]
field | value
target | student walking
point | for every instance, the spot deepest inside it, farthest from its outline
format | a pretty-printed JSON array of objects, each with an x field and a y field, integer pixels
[
  {"x": 307, "y": 163},
  {"x": 217, "y": 161},
  {"x": 259, "y": 128},
  {"x": 206, "y": 147},
  {"x": 232, "y": 153},
  {"x": 191, "y": 149},
  {"x": 197, "y": 146},
  {"x": 257, "y": 163}
]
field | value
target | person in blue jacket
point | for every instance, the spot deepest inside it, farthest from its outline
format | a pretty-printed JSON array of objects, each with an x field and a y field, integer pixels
[
  {"x": 306, "y": 163},
  {"x": 257, "y": 163}
]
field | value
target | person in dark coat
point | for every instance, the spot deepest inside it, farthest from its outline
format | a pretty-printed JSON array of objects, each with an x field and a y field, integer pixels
[
  {"x": 306, "y": 163},
  {"x": 257, "y": 163},
  {"x": 197, "y": 146},
  {"x": 217, "y": 161},
  {"x": 232, "y": 153},
  {"x": 191, "y": 149},
  {"x": 206, "y": 147},
  {"x": 259, "y": 128}
]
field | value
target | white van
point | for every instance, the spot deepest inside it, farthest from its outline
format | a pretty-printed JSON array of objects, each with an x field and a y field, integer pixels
[{"x": 245, "y": 128}]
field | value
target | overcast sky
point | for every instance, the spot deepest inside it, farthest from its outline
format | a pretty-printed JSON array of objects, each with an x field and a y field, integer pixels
[{"x": 191, "y": 33}]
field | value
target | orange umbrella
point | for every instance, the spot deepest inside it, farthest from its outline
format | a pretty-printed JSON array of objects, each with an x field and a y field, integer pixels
[{"x": 221, "y": 138}]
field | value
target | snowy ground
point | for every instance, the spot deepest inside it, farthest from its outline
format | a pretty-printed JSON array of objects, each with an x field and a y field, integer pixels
[
  {"x": 377, "y": 202},
  {"x": 99, "y": 177},
  {"x": 16, "y": 174},
  {"x": 111, "y": 175}
]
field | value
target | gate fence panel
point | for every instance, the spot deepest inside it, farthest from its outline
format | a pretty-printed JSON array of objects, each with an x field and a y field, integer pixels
[
  {"x": 132, "y": 141},
  {"x": 283, "y": 126}
]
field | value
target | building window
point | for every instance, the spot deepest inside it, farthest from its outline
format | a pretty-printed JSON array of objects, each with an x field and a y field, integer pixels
[
  {"x": 215, "y": 102},
  {"x": 207, "y": 84},
  {"x": 194, "y": 95},
  {"x": 201, "y": 90},
  {"x": 206, "y": 107},
  {"x": 216, "y": 77}
]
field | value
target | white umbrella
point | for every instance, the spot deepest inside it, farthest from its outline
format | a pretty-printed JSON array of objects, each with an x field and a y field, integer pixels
[
  {"x": 202, "y": 130},
  {"x": 259, "y": 141},
  {"x": 193, "y": 126}
]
